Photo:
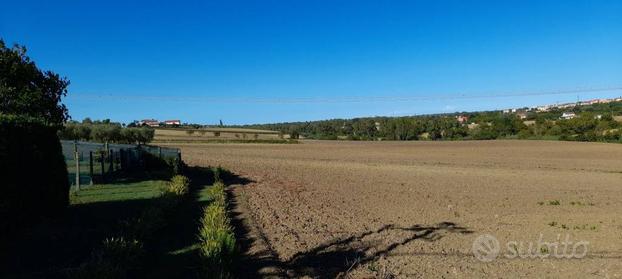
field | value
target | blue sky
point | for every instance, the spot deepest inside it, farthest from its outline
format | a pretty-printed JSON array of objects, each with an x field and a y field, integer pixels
[{"x": 253, "y": 61}]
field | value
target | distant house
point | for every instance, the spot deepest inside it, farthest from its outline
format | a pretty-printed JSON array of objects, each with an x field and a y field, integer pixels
[
  {"x": 605, "y": 101},
  {"x": 172, "y": 122},
  {"x": 462, "y": 118},
  {"x": 377, "y": 125},
  {"x": 590, "y": 102},
  {"x": 149, "y": 122},
  {"x": 522, "y": 115},
  {"x": 568, "y": 115}
]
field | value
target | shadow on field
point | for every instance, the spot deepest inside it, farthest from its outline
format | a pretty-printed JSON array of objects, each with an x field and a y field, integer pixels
[
  {"x": 337, "y": 257},
  {"x": 331, "y": 259}
]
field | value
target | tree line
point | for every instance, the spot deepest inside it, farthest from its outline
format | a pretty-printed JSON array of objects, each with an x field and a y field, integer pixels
[
  {"x": 105, "y": 131},
  {"x": 592, "y": 123}
]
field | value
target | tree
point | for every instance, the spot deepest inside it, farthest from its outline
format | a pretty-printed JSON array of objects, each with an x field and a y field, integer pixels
[
  {"x": 293, "y": 133},
  {"x": 27, "y": 90}
]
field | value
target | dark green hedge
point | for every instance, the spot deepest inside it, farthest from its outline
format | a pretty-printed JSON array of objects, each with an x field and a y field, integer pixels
[{"x": 33, "y": 180}]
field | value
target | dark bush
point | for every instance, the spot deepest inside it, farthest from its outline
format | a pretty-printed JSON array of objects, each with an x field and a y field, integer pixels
[{"x": 34, "y": 173}]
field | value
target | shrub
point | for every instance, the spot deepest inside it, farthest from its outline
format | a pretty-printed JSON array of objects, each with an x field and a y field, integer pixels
[
  {"x": 214, "y": 216},
  {"x": 114, "y": 259},
  {"x": 179, "y": 185},
  {"x": 217, "y": 240},
  {"x": 217, "y": 194},
  {"x": 218, "y": 248},
  {"x": 34, "y": 173},
  {"x": 143, "y": 227}
]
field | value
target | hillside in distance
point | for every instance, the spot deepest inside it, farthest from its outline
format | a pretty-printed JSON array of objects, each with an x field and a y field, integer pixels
[{"x": 596, "y": 120}]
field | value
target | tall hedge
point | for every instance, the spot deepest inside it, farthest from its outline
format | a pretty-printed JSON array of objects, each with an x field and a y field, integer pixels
[{"x": 33, "y": 180}]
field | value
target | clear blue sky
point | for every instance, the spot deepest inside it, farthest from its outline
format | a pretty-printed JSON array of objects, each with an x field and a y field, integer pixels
[{"x": 198, "y": 61}]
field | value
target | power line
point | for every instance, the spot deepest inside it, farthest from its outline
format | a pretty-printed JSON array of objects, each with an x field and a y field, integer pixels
[{"x": 344, "y": 99}]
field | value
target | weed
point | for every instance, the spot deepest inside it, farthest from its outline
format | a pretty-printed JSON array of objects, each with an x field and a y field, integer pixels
[
  {"x": 373, "y": 267},
  {"x": 554, "y": 202},
  {"x": 553, "y": 224},
  {"x": 544, "y": 250}
]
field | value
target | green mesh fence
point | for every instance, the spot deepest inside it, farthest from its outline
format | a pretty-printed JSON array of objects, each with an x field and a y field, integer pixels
[{"x": 98, "y": 161}]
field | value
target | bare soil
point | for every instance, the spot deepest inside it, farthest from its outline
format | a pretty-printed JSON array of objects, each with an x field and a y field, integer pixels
[{"x": 413, "y": 209}]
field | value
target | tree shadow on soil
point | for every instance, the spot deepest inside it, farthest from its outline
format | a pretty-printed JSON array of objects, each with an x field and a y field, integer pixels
[{"x": 334, "y": 258}]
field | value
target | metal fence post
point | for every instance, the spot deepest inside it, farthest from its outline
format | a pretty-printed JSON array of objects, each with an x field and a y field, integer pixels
[
  {"x": 111, "y": 158},
  {"x": 76, "y": 157},
  {"x": 102, "y": 156},
  {"x": 122, "y": 159},
  {"x": 91, "y": 166}
]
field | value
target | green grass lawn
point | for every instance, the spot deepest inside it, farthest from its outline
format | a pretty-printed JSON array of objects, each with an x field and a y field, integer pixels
[{"x": 118, "y": 192}]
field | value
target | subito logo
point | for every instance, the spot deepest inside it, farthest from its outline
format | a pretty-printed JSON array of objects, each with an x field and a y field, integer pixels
[{"x": 486, "y": 248}]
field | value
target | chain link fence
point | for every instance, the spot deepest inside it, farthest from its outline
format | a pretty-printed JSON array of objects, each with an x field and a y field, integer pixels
[{"x": 90, "y": 163}]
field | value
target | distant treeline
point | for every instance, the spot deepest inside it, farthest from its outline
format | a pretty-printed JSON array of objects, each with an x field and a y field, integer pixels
[
  {"x": 592, "y": 123},
  {"x": 105, "y": 131}
]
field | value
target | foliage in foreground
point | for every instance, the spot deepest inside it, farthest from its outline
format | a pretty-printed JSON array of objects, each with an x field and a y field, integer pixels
[
  {"x": 114, "y": 259},
  {"x": 218, "y": 248},
  {"x": 179, "y": 185},
  {"x": 119, "y": 256},
  {"x": 34, "y": 173}
]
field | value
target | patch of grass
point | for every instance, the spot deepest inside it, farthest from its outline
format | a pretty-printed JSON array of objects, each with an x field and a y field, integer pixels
[
  {"x": 544, "y": 250},
  {"x": 373, "y": 267},
  {"x": 118, "y": 192},
  {"x": 120, "y": 256},
  {"x": 553, "y": 224},
  {"x": 554, "y": 202}
]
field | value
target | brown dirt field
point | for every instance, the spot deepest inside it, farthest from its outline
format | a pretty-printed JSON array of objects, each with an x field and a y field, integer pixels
[
  {"x": 174, "y": 135},
  {"x": 413, "y": 209}
]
